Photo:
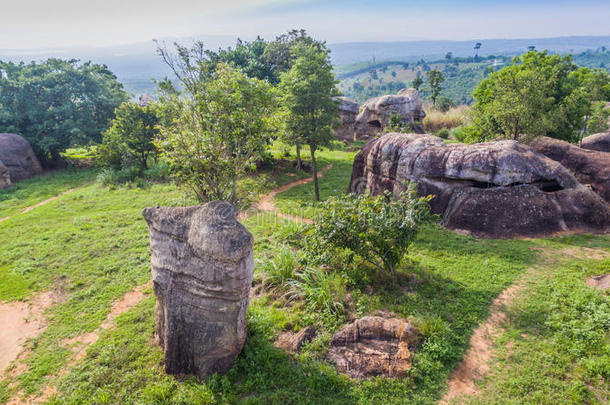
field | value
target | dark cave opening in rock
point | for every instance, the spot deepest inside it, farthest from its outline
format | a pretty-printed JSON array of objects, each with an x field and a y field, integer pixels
[
  {"x": 545, "y": 185},
  {"x": 375, "y": 124}
]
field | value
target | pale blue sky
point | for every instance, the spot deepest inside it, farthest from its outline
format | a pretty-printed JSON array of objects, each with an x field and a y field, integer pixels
[{"x": 60, "y": 23}]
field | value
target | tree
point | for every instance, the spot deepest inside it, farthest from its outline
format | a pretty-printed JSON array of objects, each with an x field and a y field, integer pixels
[
  {"x": 477, "y": 46},
  {"x": 56, "y": 103},
  {"x": 311, "y": 112},
  {"x": 211, "y": 136},
  {"x": 449, "y": 56},
  {"x": 130, "y": 138},
  {"x": 377, "y": 229},
  {"x": 279, "y": 54},
  {"x": 417, "y": 82},
  {"x": 537, "y": 95},
  {"x": 435, "y": 81}
]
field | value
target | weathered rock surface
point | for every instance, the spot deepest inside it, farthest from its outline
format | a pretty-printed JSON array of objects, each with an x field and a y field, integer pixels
[
  {"x": 375, "y": 114},
  {"x": 292, "y": 342},
  {"x": 202, "y": 266},
  {"x": 498, "y": 189},
  {"x": 5, "y": 177},
  {"x": 18, "y": 157},
  {"x": 374, "y": 346},
  {"x": 599, "y": 142},
  {"x": 145, "y": 100},
  {"x": 588, "y": 166},
  {"x": 348, "y": 110}
]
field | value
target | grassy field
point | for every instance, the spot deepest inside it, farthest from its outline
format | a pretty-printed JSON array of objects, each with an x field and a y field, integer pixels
[{"x": 91, "y": 246}]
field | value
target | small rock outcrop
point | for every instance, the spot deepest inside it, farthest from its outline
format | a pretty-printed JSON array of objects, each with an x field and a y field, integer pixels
[
  {"x": 375, "y": 114},
  {"x": 599, "y": 142},
  {"x": 5, "y": 177},
  {"x": 202, "y": 266},
  {"x": 348, "y": 110},
  {"x": 499, "y": 189},
  {"x": 590, "y": 167},
  {"x": 18, "y": 157},
  {"x": 374, "y": 346},
  {"x": 145, "y": 100},
  {"x": 291, "y": 342}
]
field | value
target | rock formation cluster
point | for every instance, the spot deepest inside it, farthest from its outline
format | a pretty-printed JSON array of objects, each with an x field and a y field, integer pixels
[
  {"x": 202, "y": 267},
  {"x": 498, "y": 189},
  {"x": 348, "y": 110},
  {"x": 17, "y": 156},
  {"x": 375, "y": 113},
  {"x": 374, "y": 346}
]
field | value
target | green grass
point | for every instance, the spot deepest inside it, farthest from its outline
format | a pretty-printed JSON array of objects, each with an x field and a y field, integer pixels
[
  {"x": 29, "y": 192},
  {"x": 92, "y": 246}
]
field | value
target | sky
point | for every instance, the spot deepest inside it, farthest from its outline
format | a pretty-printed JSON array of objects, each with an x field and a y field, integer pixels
[{"x": 33, "y": 24}]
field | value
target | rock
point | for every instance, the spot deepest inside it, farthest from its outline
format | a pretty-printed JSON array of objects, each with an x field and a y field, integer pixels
[
  {"x": 18, "y": 157},
  {"x": 5, "y": 177},
  {"x": 348, "y": 110},
  {"x": 375, "y": 114},
  {"x": 499, "y": 189},
  {"x": 590, "y": 167},
  {"x": 145, "y": 100},
  {"x": 374, "y": 346},
  {"x": 202, "y": 267},
  {"x": 292, "y": 342},
  {"x": 599, "y": 142}
]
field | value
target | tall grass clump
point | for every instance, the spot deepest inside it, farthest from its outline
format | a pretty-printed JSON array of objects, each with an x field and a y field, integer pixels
[
  {"x": 281, "y": 269},
  {"x": 321, "y": 291},
  {"x": 436, "y": 120}
]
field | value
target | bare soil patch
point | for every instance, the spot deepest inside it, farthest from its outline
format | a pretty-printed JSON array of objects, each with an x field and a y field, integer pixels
[
  {"x": 599, "y": 282},
  {"x": 21, "y": 321}
]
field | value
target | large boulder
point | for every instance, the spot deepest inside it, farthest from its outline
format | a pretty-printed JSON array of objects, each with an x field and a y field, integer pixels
[
  {"x": 348, "y": 110},
  {"x": 599, "y": 142},
  {"x": 498, "y": 189},
  {"x": 18, "y": 157},
  {"x": 375, "y": 114},
  {"x": 5, "y": 177},
  {"x": 202, "y": 266},
  {"x": 588, "y": 166},
  {"x": 374, "y": 346}
]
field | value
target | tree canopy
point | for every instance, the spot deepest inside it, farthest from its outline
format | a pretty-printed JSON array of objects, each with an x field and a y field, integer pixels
[
  {"x": 537, "y": 95},
  {"x": 56, "y": 103}
]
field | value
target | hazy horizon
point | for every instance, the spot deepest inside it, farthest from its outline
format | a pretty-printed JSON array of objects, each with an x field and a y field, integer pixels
[{"x": 38, "y": 24}]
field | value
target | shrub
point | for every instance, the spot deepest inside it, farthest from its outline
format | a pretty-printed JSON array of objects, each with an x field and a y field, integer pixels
[
  {"x": 321, "y": 291},
  {"x": 443, "y": 133},
  {"x": 375, "y": 228}
]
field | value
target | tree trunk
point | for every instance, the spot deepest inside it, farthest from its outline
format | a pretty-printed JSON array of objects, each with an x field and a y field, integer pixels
[
  {"x": 299, "y": 163},
  {"x": 314, "y": 168}
]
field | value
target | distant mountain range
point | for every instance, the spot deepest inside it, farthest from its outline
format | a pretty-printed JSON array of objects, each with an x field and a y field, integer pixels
[{"x": 137, "y": 64}]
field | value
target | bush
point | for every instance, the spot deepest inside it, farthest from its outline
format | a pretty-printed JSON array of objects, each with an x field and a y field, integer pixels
[
  {"x": 377, "y": 229},
  {"x": 443, "y": 133}
]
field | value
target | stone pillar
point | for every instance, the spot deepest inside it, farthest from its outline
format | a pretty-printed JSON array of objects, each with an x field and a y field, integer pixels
[{"x": 202, "y": 267}]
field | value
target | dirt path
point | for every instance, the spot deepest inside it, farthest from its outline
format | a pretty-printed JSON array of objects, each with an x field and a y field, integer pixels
[
  {"x": 477, "y": 360},
  {"x": 48, "y": 200},
  {"x": 21, "y": 321},
  {"x": 267, "y": 202},
  {"x": 79, "y": 344}
]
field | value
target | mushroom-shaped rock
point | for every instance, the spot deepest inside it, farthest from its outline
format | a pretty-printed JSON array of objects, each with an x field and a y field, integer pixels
[
  {"x": 375, "y": 114},
  {"x": 374, "y": 346},
  {"x": 202, "y": 267},
  {"x": 5, "y": 177},
  {"x": 498, "y": 189},
  {"x": 348, "y": 110},
  {"x": 599, "y": 142},
  {"x": 18, "y": 157}
]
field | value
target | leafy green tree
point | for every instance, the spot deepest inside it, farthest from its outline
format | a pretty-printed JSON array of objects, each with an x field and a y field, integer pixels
[
  {"x": 217, "y": 131},
  {"x": 279, "y": 54},
  {"x": 538, "y": 94},
  {"x": 417, "y": 82},
  {"x": 311, "y": 112},
  {"x": 377, "y": 229},
  {"x": 56, "y": 103},
  {"x": 130, "y": 138},
  {"x": 435, "y": 81}
]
